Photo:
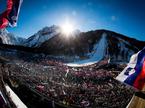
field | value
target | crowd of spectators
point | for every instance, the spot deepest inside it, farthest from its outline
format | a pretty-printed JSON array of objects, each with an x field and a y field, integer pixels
[{"x": 89, "y": 86}]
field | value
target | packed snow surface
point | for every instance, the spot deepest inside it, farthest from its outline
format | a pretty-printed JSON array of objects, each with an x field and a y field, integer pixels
[{"x": 96, "y": 55}]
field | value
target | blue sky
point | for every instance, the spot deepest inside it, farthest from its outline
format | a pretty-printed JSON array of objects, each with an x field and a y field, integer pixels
[{"x": 123, "y": 16}]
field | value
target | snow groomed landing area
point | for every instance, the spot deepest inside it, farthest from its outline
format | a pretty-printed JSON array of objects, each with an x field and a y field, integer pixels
[{"x": 95, "y": 56}]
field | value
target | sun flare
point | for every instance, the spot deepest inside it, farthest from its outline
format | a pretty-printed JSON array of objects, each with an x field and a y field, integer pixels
[{"x": 67, "y": 28}]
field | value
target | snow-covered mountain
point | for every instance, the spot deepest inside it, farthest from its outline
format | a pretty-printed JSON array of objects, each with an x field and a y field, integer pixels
[
  {"x": 9, "y": 38},
  {"x": 97, "y": 54},
  {"x": 44, "y": 35},
  {"x": 41, "y": 36},
  {"x": 81, "y": 47},
  {"x": 89, "y": 46},
  {"x": 93, "y": 46}
]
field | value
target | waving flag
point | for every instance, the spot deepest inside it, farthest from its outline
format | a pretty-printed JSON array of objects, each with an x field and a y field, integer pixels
[
  {"x": 134, "y": 73},
  {"x": 10, "y": 16}
]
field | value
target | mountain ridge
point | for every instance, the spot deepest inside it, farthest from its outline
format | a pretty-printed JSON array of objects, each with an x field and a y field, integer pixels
[
  {"x": 9, "y": 38},
  {"x": 81, "y": 45}
]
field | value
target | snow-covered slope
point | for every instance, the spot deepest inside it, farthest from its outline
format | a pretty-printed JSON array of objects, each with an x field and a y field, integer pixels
[
  {"x": 42, "y": 36},
  {"x": 88, "y": 47},
  {"x": 96, "y": 55},
  {"x": 81, "y": 47},
  {"x": 9, "y": 38}
]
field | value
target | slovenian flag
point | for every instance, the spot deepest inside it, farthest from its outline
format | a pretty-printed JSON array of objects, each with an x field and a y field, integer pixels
[
  {"x": 10, "y": 16},
  {"x": 134, "y": 73}
]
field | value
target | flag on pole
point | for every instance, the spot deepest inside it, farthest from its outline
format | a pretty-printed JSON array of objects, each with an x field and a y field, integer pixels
[
  {"x": 134, "y": 73},
  {"x": 10, "y": 16}
]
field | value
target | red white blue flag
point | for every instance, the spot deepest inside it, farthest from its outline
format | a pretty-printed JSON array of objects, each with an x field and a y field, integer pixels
[
  {"x": 134, "y": 73},
  {"x": 10, "y": 16}
]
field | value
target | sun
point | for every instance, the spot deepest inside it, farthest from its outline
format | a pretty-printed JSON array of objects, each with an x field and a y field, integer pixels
[{"x": 67, "y": 28}]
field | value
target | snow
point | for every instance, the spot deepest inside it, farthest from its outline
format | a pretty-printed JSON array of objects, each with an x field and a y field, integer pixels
[
  {"x": 127, "y": 43},
  {"x": 15, "y": 98},
  {"x": 42, "y": 36},
  {"x": 122, "y": 44},
  {"x": 9, "y": 38},
  {"x": 95, "y": 56}
]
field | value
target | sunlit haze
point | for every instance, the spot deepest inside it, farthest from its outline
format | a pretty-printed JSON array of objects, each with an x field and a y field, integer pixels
[
  {"x": 122, "y": 16},
  {"x": 67, "y": 28}
]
